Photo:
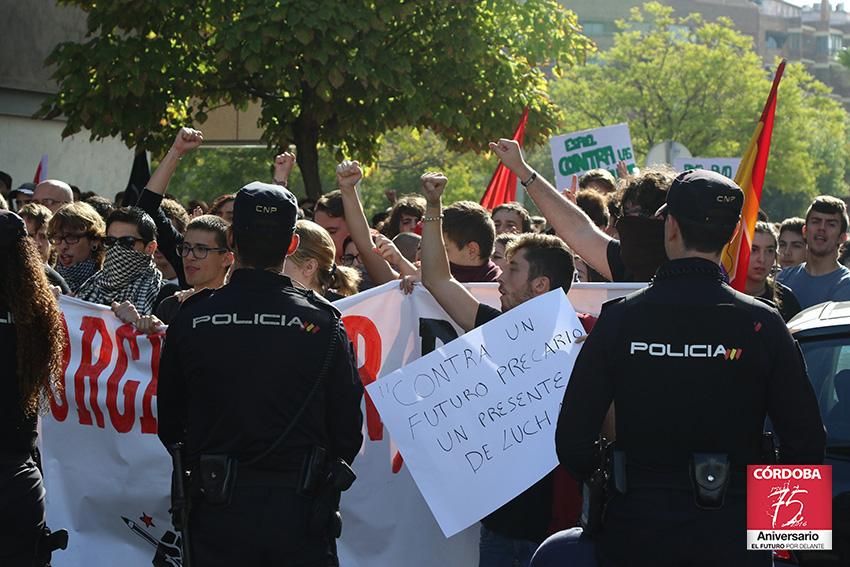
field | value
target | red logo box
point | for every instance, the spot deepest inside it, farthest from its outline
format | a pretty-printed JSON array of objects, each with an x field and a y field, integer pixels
[{"x": 789, "y": 507}]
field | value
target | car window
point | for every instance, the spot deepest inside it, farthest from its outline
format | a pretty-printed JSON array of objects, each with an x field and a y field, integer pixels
[{"x": 828, "y": 364}]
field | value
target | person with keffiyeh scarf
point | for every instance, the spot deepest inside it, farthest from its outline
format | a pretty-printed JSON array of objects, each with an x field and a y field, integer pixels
[
  {"x": 76, "y": 232},
  {"x": 128, "y": 272}
]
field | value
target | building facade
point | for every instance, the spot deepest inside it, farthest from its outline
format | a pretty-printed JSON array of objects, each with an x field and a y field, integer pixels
[
  {"x": 813, "y": 34},
  {"x": 32, "y": 30}
]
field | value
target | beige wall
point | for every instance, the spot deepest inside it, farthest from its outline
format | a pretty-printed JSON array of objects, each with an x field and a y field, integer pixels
[
  {"x": 31, "y": 28},
  {"x": 102, "y": 167}
]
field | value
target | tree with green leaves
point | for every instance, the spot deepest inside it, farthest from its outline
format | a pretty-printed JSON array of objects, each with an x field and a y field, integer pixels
[
  {"x": 330, "y": 73},
  {"x": 700, "y": 83}
]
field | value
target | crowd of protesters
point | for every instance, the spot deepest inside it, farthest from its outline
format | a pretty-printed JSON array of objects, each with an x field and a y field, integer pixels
[
  {"x": 146, "y": 250},
  {"x": 145, "y": 253}
]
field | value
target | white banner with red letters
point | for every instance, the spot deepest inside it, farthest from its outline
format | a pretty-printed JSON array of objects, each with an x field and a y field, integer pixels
[{"x": 108, "y": 476}]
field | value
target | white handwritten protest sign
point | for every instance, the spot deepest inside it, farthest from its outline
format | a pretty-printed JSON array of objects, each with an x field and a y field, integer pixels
[
  {"x": 579, "y": 152},
  {"x": 723, "y": 166},
  {"x": 464, "y": 415}
]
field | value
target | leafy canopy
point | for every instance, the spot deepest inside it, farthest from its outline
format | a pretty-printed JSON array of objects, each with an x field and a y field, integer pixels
[
  {"x": 700, "y": 83},
  {"x": 325, "y": 72}
]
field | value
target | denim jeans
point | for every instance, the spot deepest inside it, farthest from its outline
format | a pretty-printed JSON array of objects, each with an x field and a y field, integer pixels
[{"x": 501, "y": 551}]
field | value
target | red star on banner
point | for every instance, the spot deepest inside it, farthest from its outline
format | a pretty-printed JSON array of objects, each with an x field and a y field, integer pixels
[{"x": 147, "y": 520}]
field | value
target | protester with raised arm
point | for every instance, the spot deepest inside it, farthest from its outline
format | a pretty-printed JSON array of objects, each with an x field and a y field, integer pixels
[
  {"x": 536, "y": 264},
  {"x": 283, "y": 164},
  {"x": 640, "y": 250},
  {"x": 150, "y": 200},
  {"x": 348, "y": 175}
]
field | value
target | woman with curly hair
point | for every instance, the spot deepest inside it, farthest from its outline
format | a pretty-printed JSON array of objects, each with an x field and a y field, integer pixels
[
  {"x": 312, "y": 265},
  {"x": 76, "y": 231},
  {"x": 31, "y": 347}
]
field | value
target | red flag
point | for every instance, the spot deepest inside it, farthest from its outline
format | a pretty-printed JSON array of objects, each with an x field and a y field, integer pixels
[
  {"x": 40, "y": 170},
  {"x": 502, "y": 186},
  {"x": 750, "y": 178}
]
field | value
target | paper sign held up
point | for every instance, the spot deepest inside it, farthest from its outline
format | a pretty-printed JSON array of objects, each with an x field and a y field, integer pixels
[
  {"x": 579, "y": 152},
  {"x": 465, "y": 415}
]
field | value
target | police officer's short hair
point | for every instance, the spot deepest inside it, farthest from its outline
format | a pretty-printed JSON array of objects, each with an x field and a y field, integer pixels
[
  {"x": 135, "y": 216},
  {"x": 264, "y": 217},
  {"x": 828, "y": 205},
  {"x": 546, "y": 255},
  {"x": 707, "y": 238},
  {"x": 465, "y": 222}
]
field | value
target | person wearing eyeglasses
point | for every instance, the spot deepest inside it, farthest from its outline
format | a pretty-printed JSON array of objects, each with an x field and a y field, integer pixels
[
  {"x": 53, "y": 193},
  {"x": 37, "y": 218},
  {"x": 129, "y": 272},
  {"x": 76, "y": 232},
  {"x": 206, "y": 261},
  {"x": 169, "y": 238}
]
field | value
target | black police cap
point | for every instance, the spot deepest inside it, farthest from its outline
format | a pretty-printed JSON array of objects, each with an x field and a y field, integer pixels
[
  {"x": 704, "y": 197},
  {"x": 265, "y": 210}
]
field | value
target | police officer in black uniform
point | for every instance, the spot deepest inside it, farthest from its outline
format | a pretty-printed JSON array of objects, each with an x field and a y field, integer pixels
[
  {"x": 259, "y": 382},
  {"x": 31, "y": 340},
  {"x": 693, "y": 368}
]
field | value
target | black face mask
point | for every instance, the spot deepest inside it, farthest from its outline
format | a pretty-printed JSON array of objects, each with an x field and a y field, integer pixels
[{"x": 641, "y": 246}]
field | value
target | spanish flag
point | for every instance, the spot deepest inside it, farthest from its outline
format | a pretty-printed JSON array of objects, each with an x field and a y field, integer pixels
[
  {"x": 502, "y": 186},
  {"x": 750, "y": 178}
]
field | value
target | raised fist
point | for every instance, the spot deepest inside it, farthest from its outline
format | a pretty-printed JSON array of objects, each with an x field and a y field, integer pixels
[
  {"x": 433, "y": 185},
  {"x": 283, "y": 164},
  {"x": 509, "y": 152},
  {"x": 348, "y": 174},
  {"x": 187, "y": 139}
]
